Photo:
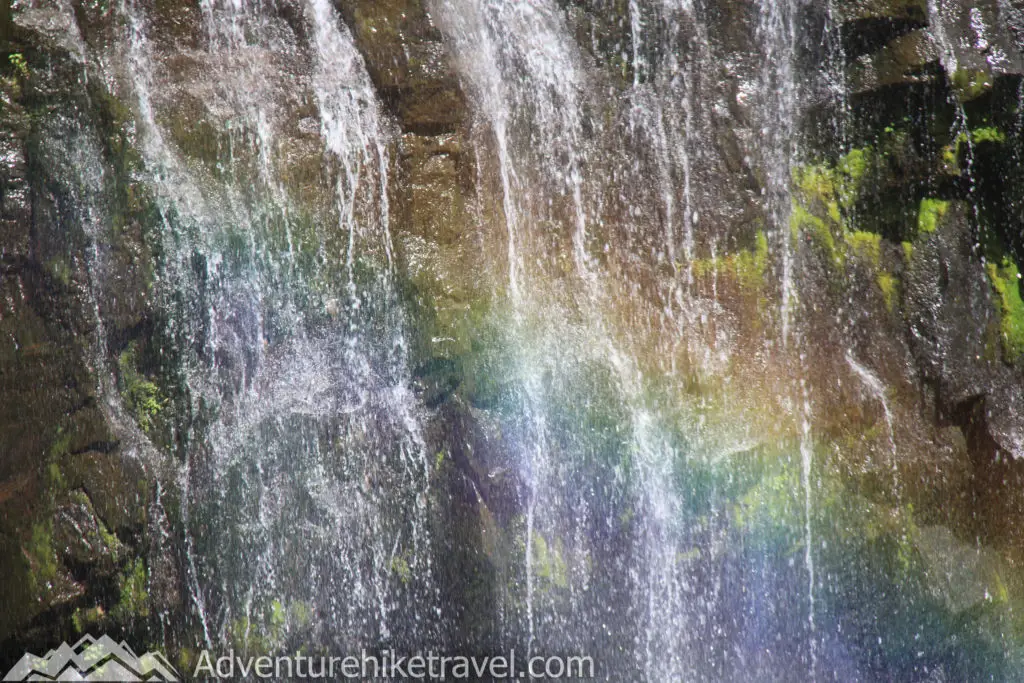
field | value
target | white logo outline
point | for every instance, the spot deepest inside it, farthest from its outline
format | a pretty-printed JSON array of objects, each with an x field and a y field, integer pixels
[{"x": 93, "y": 659}]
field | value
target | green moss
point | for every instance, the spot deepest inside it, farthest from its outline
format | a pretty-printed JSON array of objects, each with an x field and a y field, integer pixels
[
  {"x": 773, "y": 510},
  {"x": 866, "y": 541},
  {"x": 802, "y": 221},
  {"x": 301, "y": 613},
  {"x": 277, "y": 615},
  {"x": 751, "y": 266},
  {"x": 815, "y": 180},
  {"x": 62, "y": 445},
  {"x": 116, "y": 121},
  {"x": 41, "y": 556},
  {"x": 549, "y": 565},
  {"x": 835, "y": 185},
  {"x": 887, "y": 285},
  {"x": 908, "y": 252},
  {"x": 866, "y": 245},
  {"x": 141, "y": 396},
  {"x": 773, "y": 502},
  {"x": 851, "y": 171},
  {"x": 265, "y": 632},
  {"x": 186, "y": 659},
  {"x": 84, "y": 619},
  {"x": 134, "y": 596},
  {"x": 1006, "y": 278},
  {"x": 55, "y": 478},
  {"x": 691, "y": 555},
  {"x": 854, "y": 163},
  {"x": 246, "y": 635},
  {"x": 970, "y": 84},
  {"x": 951, "y": 158},
  {"x": 930, "y": 213},
  {"x": 60, "y": 269},
  {"x": 703, "y": 268},
  {"x": 988, "y": 134},
  {"x": 197, "y": 138},
  {"x": 824, "y": 198},
  {"x": 952, "y": 153},
  {"x": 110, "y": 540}
]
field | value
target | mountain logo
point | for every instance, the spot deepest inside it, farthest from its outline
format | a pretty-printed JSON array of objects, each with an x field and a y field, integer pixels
[{"x": 92, "y": 659}]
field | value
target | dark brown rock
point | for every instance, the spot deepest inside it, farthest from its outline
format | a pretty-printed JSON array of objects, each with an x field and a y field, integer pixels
[{"x": 408, "y": 63}]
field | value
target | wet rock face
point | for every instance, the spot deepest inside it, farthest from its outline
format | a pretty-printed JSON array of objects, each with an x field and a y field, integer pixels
[
  {"x": 408, "y": 62},
  {"x": 956, "y": 337},
  {"x": 891, "y": 287},
  {"x": 50, "y": 409},
  {"x": 73, "y": 502},
  {"x": 928, "y": 97},
  {"x": 959, "y": 67},
  {"x": 950, "y": 311},
  {"x": 15, "y": 206},
  {"x": 80, "y": 513}
]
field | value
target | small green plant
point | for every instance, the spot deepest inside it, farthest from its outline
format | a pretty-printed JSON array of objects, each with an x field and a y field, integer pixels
[
  {"x": 987, "y": 134},
  {"x": 134, "y": 596},
  {"x": 970, "y": 84},
  {"x": 141, "y": 396},
  {"x": 17, "y": 60},
  {"x": 400, "y": 568}
]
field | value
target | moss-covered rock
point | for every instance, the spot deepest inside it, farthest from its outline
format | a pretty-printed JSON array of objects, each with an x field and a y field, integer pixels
[
  {"x": 1006, "y": 281},
  {"x": 142, "y": 397},
  {"x": 931, "y": 212},
  {"x": 74, "y": 502}
]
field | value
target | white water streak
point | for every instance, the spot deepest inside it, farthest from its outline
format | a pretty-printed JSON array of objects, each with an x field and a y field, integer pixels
[{"x": 877, "y": 390}]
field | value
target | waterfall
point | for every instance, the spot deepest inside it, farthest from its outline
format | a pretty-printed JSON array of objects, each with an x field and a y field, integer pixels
[
  {"x": 531, "y": 89},
  {"x": 683, "y": 336},
  {"x": 778, "y": 34},
  {"x": 303, "y": 422},
  {"x": 777, "y": 29}
]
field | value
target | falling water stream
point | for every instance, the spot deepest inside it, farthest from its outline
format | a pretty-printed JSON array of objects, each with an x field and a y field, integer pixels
[{"x": 283, "y": 400}]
